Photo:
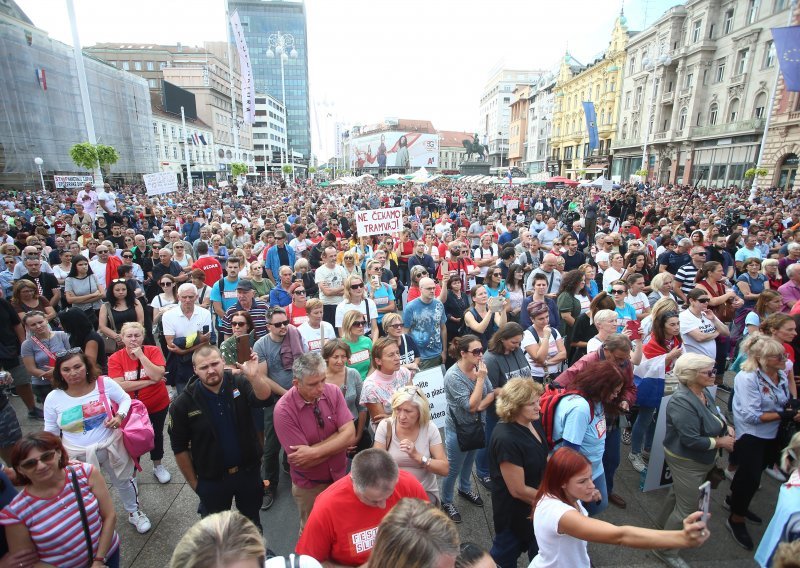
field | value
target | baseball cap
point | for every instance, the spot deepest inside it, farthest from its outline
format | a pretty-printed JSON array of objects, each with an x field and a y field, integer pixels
[{"x": 245, "y": 285}]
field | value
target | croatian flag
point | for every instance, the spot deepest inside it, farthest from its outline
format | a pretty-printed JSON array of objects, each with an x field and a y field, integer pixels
[
  {"x": 41, "y": 78},
  {"x": 648, "y": 376},
  {"x": 195, "y": 139}
]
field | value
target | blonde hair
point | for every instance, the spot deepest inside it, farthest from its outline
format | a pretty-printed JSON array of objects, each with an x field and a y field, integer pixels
[
  {"x": 348, "y": 285},
  {"x": 658, "y": 280},
  {"x": 790, "y": 457},
  {"x": 605, "y": 315},
  {"x": 663, "y": 305},
  {"x": 219, "y": 540},
  {"x": 415, "y": 396},
  {"x": 758, "y": 347},
  {"x": 689, "y": 364},
  {"x": 389, "y": 319},
  {"x": 131, "y": 325},
  {"x": 313, "y": 304},
  {"x": 348, "y": 319},
  {"x": 515, "y": 394}
]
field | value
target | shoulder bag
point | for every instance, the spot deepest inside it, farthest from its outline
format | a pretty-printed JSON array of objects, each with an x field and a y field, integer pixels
[
  {"x": 138, "y": 436},
  {"x": 470, "y": 434},
  {"x": 109, "y": 342},
  {"x": 84, "y": 518}
]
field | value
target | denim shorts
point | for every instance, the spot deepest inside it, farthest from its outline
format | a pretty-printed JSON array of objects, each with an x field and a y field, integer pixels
[{"x": 10, "y": 431}]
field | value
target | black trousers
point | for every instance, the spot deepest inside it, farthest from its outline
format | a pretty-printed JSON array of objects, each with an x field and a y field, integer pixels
[
  {"x": 329, "y": 315},
  {"x": 216, "y": 495},
  {"x": 158, "y": 419},
  {"x": 752, "y": 454}
]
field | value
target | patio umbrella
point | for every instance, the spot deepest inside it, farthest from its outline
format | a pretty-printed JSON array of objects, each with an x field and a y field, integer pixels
[{"x": 390, "y": 181}]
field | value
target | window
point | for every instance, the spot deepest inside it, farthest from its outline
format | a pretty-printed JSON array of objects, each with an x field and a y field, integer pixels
[
  {"x": 682, "y": 118},
  {"x": 644, "y": 58},
  {"x": 635, "y": 129},
  {"x": 698, "y": 24},
  {"x": 779, "y": 5},
  {"x": 689, "y": 81},
  {"x": 719, "y": 75},
  {"x": 627, "y": 100},
  {"x": 632, "y": 67},
  {"x": 752, "y": 11},
  {"x": 624, "y": 130},
  {"x": 174, "y": 153},
  {"x": 759, "y": 106},
  {"x": 713, "y": 111},
  {"x": 126, "y": 66},
  {"x": 597, "y": 93},
  {"x": 155, "y": 128},
  {"x": 733, "y": 113},
  {"x": 699, "y": 119},
  {"x": 150, "y": 66},
  {"x": 137, "y": 65},
  {"x": 164, "y": 131},
  {"x": 153, "y": 83},
  {"x": 638, "y": 100},
  {"x": 769, "y": 54},
  {"x": 727, "y": 22},
  {"x": 741, "y": 60}
]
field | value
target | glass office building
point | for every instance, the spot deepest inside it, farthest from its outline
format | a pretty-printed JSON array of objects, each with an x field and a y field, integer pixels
[
  {"x": 42, "y": 114},
  {"x": 260, "y": 18}
]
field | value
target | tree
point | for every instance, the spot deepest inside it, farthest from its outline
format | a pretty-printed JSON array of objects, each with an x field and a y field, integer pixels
[
  {"x": 312, "y": 170},
  {"x": 238, "y": 169},
  {"x": 642, "y": 172},
  {"x": 90, "y": 156},
  {"x": 287, "y": 169},
  {"x": 755, "y": 172}
]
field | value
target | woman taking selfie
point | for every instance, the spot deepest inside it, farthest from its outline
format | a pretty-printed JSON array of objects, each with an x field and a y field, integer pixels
[
  {"x": 49, "y": 499},
  {"x": 482, "y": 318},
  {"x": 139, "y": 370}
]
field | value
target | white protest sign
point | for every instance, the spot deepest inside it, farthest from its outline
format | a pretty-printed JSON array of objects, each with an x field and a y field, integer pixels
[
  {"x": 512, "y": 204},
  {"x": 608, "y": 185},
  {"x": 431, "y": 382},
  {"x": 160, "y": 183},
  {"x": 379, "y": 221},
  {"x": 71, "y": 182}
]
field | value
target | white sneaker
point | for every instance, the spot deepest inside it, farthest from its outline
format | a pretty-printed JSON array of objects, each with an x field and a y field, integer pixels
[
  {"x": 776, "y": 474},
  {"x": 161, "y": 474},
  {"x": 637, "y": 462},
  {"x": 140, "y": 521}
]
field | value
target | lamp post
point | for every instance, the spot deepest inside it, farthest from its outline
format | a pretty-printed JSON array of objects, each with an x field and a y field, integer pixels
[
  {"x": 280, "y": 43},
  {"x": 38, "y": 161},
  {"x": 662, "y": 59}
]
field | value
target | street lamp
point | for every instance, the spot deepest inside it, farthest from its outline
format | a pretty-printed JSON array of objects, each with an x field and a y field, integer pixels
[
  {"x": 38, "y": 161},
  {"x": 282, "y": 43},
  {"x": 500, "y": 144},
  {"x": 663, "y": 59}
]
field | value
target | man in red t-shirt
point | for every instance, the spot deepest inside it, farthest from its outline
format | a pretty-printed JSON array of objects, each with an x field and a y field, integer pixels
[
  {"x": 207, "y": 264},
  {"x": 342, "y": 526}
]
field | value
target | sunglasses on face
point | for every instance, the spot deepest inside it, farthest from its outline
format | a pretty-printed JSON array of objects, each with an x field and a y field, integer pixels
[
  {"x": 280, "y": 323},
  {"x": 127, "y": 256},
  {"x": 360, "y": 323},
  {"x": 703, "y": 300},
  {"x": 238, "y": 323},
  {"x": 356, "y": 286},
  {"x": 396, "y": 325},
  {"x": 477, "y": 351},
  {"x": 300, "y": 292},
  {"x": 45, "y": 457},
  {"x": 166, "y": 284},
  {"x": 617, "y": 292}
]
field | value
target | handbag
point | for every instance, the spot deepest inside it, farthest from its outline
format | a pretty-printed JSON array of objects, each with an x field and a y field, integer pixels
[
  {"x": 110, "y": 343},
  {"x": 725, "y": 311},
  {"x": 84, "y": 519},
  {"x": 138, "y": 436},
  {"x": 470, "y": 434}
]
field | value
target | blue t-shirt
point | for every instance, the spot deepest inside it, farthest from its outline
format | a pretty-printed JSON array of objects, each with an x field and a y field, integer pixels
[
  {"x": 226, "y": 295},
  {"x": 383, "y": 296},
  {"x": 625, "y": 313},
  {"x": 573, "y": 423},
  {"x": 424, "y": 323}
]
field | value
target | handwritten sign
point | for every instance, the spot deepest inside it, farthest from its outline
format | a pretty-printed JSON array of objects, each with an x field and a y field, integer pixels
[
  {"x": 379, "y": 221},
  {"x": 431, "y": 382},
  {"x": 71, "y": 182},
  {"x": 160, "y": 183}
]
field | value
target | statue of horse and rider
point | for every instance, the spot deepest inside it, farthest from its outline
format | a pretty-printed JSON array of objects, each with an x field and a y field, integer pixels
[{"x": 475, "y": 147}]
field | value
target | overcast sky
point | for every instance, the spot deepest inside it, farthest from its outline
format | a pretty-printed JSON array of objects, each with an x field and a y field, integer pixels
[{"x": 372, "y": 59}]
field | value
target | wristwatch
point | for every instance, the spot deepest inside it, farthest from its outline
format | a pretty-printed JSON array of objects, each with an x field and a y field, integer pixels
[
  {"x": 122, "y": 415},
  {"x": 426, "y": 461}
]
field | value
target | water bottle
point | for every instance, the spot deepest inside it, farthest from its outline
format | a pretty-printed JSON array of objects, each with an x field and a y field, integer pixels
[{"x": 642, "y": 478}]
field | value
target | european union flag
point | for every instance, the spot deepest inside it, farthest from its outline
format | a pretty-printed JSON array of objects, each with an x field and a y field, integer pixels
[
  {"x": 591, "y": 124},
  {"x": 787, "y": 48}
]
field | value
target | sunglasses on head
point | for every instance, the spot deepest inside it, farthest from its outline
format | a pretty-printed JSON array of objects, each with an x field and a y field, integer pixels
[{"x": 61, "y": 355}]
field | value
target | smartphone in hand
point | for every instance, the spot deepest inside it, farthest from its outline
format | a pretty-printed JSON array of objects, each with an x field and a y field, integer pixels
[
  {"x": 704, "y": 500},
  {"x": 243, "y": 349}
]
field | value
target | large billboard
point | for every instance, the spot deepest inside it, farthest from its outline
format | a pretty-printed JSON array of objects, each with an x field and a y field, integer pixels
[{"x": 395, "y": 149}]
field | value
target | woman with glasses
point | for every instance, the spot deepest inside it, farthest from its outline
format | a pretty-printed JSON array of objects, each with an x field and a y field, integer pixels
[
  {"x": 418, "y": 272},
  {"x": 48, "y": 498},
  {"x": 760, "y": 404},
  {"x": 38, "y": 352},
  {"x": 90, "y": 430},
  {"x": 119, "y": 308},
  {"x": 355, "y": 298},
  {"x": 665, "y": 341},
  {"x": 696, "y": 430},
  {"x": 139, "y": 370},
  {"x": 180, "y": 256},
  {"x": 517, "y": 458},
  {"x": 413, "y": 440},
  {"x": 164, "y": 301},
  {"x": 543, "y": 345},
  {"x": 409, "y": 353},
  {"x": 241, "y": 324},
  {"x": 618, "y": 291},
  {"x": 353, "y": 324},
  {"x": 615, "y": 271},
  {"x": 381, "y": 384},
  {"x": 82, "y": 288},
  {"x": 350, "y": 265},
  {"x": 700, "y": 327},
  {"x": 662, "y": 286},
  {"x": 495, "y": 284},
  {"x": 25, "y": 297},
  {"x": 296, "y": 310},
  {"x": 378, "y": 291},
  {"x": 468, "y": 394},
  {"x": 482, "y": 320}
]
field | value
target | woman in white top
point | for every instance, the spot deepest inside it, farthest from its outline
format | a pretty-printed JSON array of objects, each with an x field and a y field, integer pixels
[
  {"x": 166, "y": 299},
  {"x": 314, "y": 331},
  {"x": 180, "y": 256},
  {"x": 699, "y": 326},
  {"x": 544, "y": 349},
  {"x": 563, "y": 528},
  {"x": 355, "y": 299},
  {"x": 606, "y": 323},
  {"x": 636, "y": 296},
  {"x": 615, "y": 271},
  {"x": 413, "y": 440}
]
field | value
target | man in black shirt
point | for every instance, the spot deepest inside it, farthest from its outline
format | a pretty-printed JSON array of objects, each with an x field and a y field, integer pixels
[{"x": 45, "y": 282}]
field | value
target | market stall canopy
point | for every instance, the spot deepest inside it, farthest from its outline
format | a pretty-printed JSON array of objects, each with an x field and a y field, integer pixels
[
  {"x": 562, "y": 180},
  {"x": 390, "y": 181}
]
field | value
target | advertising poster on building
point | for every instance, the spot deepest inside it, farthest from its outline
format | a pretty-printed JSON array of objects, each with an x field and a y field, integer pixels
[
  {"x": 160, "y": 183},
  {"x": 432, "y": 384},
  {"x": 71, "y": 182},
  {"x": 379, "y": 221},
  {"x": 395, "y": 149}
]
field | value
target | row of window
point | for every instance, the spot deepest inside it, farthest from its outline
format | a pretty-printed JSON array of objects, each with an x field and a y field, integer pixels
[
  {"x": 580, "y": 151},
  {"x": 138, "y": 65},
  {"x": 174, "y": 132}
]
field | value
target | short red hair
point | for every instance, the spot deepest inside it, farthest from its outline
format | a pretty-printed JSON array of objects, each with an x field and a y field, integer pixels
[{"x": 564, "y": 464}]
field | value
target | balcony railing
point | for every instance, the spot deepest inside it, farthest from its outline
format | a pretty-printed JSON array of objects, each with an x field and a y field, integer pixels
[
  {"x": 739, "y": 79},
  {"x": 591, "y": 160},
  {"x": 685, "y": 92},
  {"x": 626, "y": 143},
  {"x": 753, "y": 124},
  {"x": 794, "y": 116},
  {"x": 667, "y": 98},
  {"x": 661, "y": 135}
]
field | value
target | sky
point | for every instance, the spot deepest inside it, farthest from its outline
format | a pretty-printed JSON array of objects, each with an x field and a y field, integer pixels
[{"x": 373, "y": 59}]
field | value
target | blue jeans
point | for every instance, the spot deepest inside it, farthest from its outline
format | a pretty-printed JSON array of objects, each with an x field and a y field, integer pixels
[
  {"x": 482, "y": 459},
  {"x": 113, "y": 560},
  {"x": 643, "y": 430},
  {"x": 507, "y": 547},
  {"x": 460, "y": 467},
  {"x": 596, "y": 507},
  {"x": 611, "y": 456}
]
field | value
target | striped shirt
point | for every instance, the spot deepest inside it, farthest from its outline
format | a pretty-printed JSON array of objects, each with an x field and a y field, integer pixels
[
  {"x": 685, "y": 276},
  {"x": 258, "y": 313},
  {"x": 55, "y": 525}
]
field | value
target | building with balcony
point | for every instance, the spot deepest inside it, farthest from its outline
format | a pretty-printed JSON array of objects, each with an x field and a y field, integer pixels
[
  {"x": 269, "y": 136},
  {"x": 451, "y": 149},
  {"x": 202, "y": 71},
  {"x": 494, "y": 113},
  {"x": 598, "y": 82},
  {"x": 43, "y": 114},
  {"x": 700, "y": 106},
  {"x": 518, "y": 126},
  {"x": 540, "y": 120},
  {"x": 782, "y": 148}
]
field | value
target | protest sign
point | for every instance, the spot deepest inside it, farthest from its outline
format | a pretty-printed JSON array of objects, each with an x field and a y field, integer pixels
[
  {"x": 379, "y": 221},
  {"x": 71, "y": 182},
  {"x": 160, "y": 183},
  {"x": 431, "y": 382}
]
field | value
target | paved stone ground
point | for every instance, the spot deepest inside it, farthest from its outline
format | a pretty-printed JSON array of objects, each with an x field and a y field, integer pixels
[{"x": 172, "y": 508}]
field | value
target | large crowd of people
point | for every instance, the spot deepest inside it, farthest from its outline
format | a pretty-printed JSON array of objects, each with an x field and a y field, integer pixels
[{"x": 272, "y": 338}]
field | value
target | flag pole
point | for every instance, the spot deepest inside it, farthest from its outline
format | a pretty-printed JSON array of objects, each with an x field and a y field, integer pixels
[
  {"x": 759, "y": 163},
  {"x": 187, "y": 152}
]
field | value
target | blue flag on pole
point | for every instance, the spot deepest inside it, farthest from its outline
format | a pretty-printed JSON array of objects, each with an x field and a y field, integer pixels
[
  {"x": 591, "y": 124},
  {"x": 787, "y": 48}
]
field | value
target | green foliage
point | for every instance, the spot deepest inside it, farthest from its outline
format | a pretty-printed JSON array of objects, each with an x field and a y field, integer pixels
[
  {"x": 312, "y": 170},
  {"x": 238, "y": 169},
  {"x": 755, "y": 172},
  {"x": 287, "y": 169},
  {"x": 89, "y": 156},
  {"x": 107, "y": 155},
  {"x": 642, "y": 172}
]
